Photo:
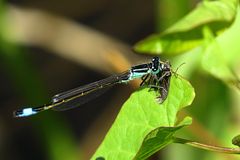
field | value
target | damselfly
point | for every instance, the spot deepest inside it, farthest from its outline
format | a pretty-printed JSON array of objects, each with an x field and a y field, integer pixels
[{"x": 156, "y": 74}]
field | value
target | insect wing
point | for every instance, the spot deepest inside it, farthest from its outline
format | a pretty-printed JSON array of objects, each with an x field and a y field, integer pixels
[{"x": 164, "y": 88}]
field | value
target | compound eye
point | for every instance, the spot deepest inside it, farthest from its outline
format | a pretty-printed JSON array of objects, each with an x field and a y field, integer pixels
[
  {"x": 155, "y": 64},
  {"x": 155, "y": 59}
]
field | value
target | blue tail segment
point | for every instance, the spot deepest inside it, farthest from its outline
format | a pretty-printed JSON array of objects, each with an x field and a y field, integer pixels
[{"x": 25, "y": 112}]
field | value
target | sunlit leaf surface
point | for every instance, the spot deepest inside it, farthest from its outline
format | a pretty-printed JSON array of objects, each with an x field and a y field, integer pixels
[
  {"x": 141, "y": 123},
  {"x": 186, "y": 34}
]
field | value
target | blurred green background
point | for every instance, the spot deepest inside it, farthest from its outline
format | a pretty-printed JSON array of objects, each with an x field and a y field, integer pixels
[{"x": 47, "y": 47}]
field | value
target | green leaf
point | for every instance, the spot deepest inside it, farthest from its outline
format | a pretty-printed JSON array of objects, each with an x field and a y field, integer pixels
[
  {"x": 186, "y": 33},
  {"x": 159, "y": 138},
  {"x": 142, "y": 118},
  {"x": 221, "y": 54}
]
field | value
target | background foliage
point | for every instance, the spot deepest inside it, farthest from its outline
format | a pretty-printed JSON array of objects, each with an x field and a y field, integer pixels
[{"x": 204, "y": 35}]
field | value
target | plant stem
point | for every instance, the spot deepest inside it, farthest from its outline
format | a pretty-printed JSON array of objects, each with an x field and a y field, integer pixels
[{"x": 207, "y": 146}]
